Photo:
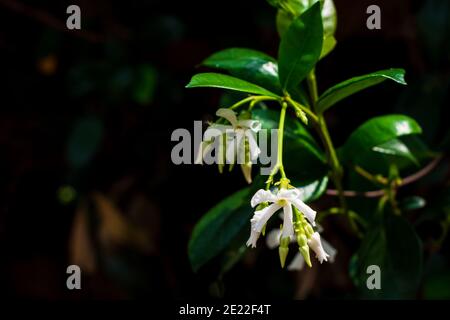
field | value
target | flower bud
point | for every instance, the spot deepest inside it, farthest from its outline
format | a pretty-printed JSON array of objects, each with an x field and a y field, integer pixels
[
  {"x": 283, "y": 250},
  {"x": 304, "y": 250}
]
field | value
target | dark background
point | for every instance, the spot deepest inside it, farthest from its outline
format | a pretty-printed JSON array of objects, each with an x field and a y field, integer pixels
[{"x": 85, "y": 126}]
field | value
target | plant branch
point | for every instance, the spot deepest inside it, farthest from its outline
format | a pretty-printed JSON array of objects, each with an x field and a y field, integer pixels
[{"x": 379, "y": 193}]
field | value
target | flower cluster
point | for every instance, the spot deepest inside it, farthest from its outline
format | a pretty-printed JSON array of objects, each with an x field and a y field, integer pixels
[
  {"x": 236, "y": 142},
  {"x": 295, "y": 226}
]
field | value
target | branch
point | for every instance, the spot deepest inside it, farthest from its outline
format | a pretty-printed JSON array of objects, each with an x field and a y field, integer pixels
[{"x": 379, "y": 193}]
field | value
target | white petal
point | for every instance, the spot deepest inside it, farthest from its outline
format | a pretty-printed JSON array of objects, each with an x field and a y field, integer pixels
[
  {"x": 258, "y": 221},
  {"x": 240, "y": 142},
  {"x": 261, "y": 217},
  {"x": 329, "y": 249},
  {"x": 273, "y": 238},
  {"x": 204, "y": 147},
  {"x": 253, "y": 125},
  {"x": 231, "y": 145},
  {"x": 253, "y": 145},
  {"x": 262, "y": 196},
  {"x": 288, "y": 194},
  {"x": 309, "y": 213},
  {"x": 228, "y": 114},
  {"x": 254, "y": 235},
  {"x": 214, "y": 131},
  {"x": 297, "y": 263},
  {"x": 288, "y": 227},
  {"x": 316, "y": 245}
]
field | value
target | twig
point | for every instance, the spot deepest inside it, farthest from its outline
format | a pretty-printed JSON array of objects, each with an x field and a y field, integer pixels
[{"x": 379, "y": 193}]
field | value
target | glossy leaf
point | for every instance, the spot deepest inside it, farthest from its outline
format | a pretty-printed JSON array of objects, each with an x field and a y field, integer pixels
[
  {"x": 297, "y": 7},
  {"x": 217, "y": 228},
  {"x": 300, "y": 47},
  {"x": 377, "y": 131},
  {"x": 217, "y": 80},
  {"x": 396, "y": 147},
  {"x": 314, "y": 190},
  {"x": 394, "y": 246},
  {"x": 247, "y": 64},
  {"x": 328, "y": 45},
  {"x": 356, "y": 84}
]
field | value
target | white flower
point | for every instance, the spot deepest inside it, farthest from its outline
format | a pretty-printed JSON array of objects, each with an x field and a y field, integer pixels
[
  {"x": 285, "y": 198},
  {"x": 316, "y": 245},
  {"x": 273, "y": 241},
  {"x": 237, "y": 132}
]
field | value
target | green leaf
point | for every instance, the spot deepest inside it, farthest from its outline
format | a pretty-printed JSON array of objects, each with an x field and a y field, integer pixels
[
  {"x": 314, "y": 190},
  {"x": 247, "y": 64},
  {"x": 356, "y": 84},
  {"x": 217, "y": 80},
  {"x": 394, "y": 246},
  {"x": 396, "y": 147},
  {"x": 294, "y": 8},
  {"x": 217, "y": 228},
  {"x": 375, "y": 132},
  {"x": 328, "y": 45},
  {"x": 300, "y": 47}
]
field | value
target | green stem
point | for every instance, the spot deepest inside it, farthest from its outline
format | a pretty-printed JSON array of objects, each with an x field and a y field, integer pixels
[
  {"x": 312, "y": 86},
  {"x": 279, "y": 164},
  {"x": 280, "y": 140},
  {"x": 297, "y": 105},
  {"x": 253, "y": 100},
  {"x": 336, "y": 168}
]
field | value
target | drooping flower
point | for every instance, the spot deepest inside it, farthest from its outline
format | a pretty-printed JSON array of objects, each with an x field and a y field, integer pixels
[
  {"x": 236, "y": 142},
  {"x": 316, "y": 245},
  {"x": 284, "y": 199}
]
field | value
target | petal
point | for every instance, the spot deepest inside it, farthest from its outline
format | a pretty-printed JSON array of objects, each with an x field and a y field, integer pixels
[
  {"x": 261, "y": 217},
  {"x": 215, "y": 130},
  {"x": 297, "y": 263},
  {"x": 203, "y": 148},
  {"x": 262, "y": 196},
  {"x": 316, "y": 245},
  {"x": 254, "y": 235},
  {"x": 231, "y": 146},
  {"x": 288, "y": 227},
  {"x": 240, "y": 143},
  {"x": 253, "y": 125},
  {"x": 309, "y": 213},
  {"x": 247, "y": 172},
  {"x": 273, "y": 238},
  {"x": 228, "y": 114},
  {"x": 253, "y": 145},
  {"x": 288, "y": 194},
  {"x": 329, "y": 249}
]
